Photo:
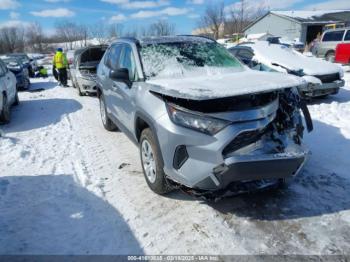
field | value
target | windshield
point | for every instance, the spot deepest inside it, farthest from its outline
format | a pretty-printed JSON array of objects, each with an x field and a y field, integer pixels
[
  {"x": 23, "y": 58},
  {"x": 11, "y": 62},
  {"x": 187, "y": 59}
]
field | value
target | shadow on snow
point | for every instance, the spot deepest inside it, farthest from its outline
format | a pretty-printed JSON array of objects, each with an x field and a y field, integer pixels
[
  {"x": 38, "y": 113},
  {"x": 51, "y": 214}
]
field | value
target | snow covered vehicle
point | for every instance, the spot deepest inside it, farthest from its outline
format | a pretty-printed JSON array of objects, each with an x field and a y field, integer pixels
[
  {"x": 8, "y": 93},
  {"x": 323, "y": 78},
  {"x": 83, "y": 69},
  {"x": 201, "y": 119}
]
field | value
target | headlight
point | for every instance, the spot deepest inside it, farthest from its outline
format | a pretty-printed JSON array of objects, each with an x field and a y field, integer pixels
[{"x": 204, "y": 124}]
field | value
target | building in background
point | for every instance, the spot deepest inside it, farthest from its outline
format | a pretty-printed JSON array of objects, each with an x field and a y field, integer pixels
[{"x": 302, "y": 25}]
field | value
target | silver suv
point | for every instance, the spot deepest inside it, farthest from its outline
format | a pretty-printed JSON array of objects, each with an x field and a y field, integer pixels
[
  {"x": 201, "y": 119},
  {"x": 330, "y": 39}
]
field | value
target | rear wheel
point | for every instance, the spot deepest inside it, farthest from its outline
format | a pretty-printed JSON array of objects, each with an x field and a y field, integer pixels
[
  {"x": 151, "y": 163},
  {"x": 5, "y": 115},
  {"x": 106, "y": 121},
  {"x": 330, "y": 56}
]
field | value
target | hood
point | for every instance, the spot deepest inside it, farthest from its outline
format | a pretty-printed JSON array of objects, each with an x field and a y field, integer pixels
[
  {"x": 226, "y": 85},
  {"x": 271, "y": 54}
]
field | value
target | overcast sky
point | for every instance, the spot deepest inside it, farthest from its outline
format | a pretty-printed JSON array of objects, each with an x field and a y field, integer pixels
[{"x": 183, "y": 13}]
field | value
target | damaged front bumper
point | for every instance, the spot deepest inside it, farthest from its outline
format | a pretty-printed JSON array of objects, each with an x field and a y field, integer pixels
[
  {"x": 87, "y": 84},
  {"x": 258, "y": 146}
]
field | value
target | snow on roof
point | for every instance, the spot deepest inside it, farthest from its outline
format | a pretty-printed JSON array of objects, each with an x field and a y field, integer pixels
[
  {"x": 307, "y": 15},
  {"x": 257, "y": 36}
]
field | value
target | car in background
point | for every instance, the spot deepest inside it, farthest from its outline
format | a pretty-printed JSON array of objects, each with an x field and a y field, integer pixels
[
  {"x": 322, "y": 78},
  {"x": 8, "y": 93},
  {"x": 201, "y": 119},
  {"x": 329, "y": 41},
  {"x": 21, "y": 73},
  {"x": 84, "y": 67},
  {"x": 342, "y": 54},
  {"x": 26, "y": 61}
]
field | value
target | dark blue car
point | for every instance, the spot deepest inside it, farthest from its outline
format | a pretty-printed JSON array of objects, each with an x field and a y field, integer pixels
[
  {"x": 25, "y": 60},
  {"x": 20, "y": 71}
]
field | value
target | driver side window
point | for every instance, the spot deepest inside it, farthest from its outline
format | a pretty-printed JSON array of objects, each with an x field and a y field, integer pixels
[
  {"x": 112, "y": 60},
  {"x": 127, "y": 60}
]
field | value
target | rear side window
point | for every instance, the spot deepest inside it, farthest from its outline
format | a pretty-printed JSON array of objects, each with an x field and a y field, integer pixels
[
  {"x": 245, "y": 56},
  {"x": 113, "y": 57},
  {"x": 347, "y": 36},
  {"x": 333, "y": 36}
]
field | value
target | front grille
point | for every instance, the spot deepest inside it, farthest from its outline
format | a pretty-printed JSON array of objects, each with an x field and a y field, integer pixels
[
  {"x": 244, "y": 139},
  {"x": 328, "y": 78}
]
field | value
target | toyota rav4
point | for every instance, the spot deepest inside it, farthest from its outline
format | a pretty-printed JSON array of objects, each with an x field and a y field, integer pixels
[{"x": 201, "y": 119}]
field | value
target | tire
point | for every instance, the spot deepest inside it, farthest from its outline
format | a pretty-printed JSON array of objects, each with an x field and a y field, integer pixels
[
  {"x": 16, "y": 103},
  {"x": 106, "y": 121},
  {"x": 5, "y": 116},
  {"x": 79, "y": 91},
  {"x": 330, "y": 56},
  {"x": 152, "y": 164}
]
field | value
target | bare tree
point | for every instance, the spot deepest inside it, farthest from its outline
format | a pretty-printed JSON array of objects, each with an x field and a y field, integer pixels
[
  {"x": 12, "y": 39},
  {"x": 99, "y": 31},
  {"x": 115, "y": 31},
  {"x": 161, "y": 28},
  {"x": 241, "y": 15},
  {"x": 68, "y": 32},
  {"x": 35, "y": 37},
  {"x": 213, "y": 19}
]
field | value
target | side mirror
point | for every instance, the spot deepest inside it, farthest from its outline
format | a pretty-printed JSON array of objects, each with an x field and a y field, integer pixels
[{"x": 120, "y": 75}]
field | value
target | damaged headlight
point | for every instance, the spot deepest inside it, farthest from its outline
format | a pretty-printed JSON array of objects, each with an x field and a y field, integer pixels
[{"x": 201, "y": 123}]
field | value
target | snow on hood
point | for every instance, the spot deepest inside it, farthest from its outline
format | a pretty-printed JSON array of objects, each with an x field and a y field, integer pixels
[
  {"x": 224, "y": 85},
  {"x": 270, "y": 54}
]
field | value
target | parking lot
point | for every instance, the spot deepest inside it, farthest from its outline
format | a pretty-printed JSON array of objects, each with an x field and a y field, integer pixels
[{"x": 67, "y": 186}]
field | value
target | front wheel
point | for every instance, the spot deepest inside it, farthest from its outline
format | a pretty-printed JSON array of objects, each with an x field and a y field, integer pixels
[
  {"x": 151, "y": 163},
  {"x": 106, "y": 121}
]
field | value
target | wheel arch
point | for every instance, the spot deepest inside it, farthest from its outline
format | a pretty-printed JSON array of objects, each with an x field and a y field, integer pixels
[{"x": 142, "y": 122}]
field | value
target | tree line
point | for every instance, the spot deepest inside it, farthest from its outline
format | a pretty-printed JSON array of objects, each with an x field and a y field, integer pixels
[
  {"x": 219, "y": 20},
  {"x": 71, "y": 35}
]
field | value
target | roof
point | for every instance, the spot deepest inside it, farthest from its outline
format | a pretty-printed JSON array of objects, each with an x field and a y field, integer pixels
[
  {"x": 315, "y": 16},
  {"x": 319, "y": 16},
  {"x": 177, "y": 39}
]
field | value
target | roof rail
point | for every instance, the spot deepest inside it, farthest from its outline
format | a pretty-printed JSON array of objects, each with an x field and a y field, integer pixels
[
  {"x": 200, "y": 36},
  {"x": 133, "y": 39}
]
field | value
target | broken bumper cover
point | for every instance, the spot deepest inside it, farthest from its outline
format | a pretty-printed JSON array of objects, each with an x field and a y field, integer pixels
[
  {"x": 87, "y": 84},
  {"x": 211, "y": 163},
  {"x": 254, "y": 168},
  {"x": 316, "y": 90}
]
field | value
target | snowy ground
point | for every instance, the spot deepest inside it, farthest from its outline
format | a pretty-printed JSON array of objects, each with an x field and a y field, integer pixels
[{"x": 69, "y": 187}]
